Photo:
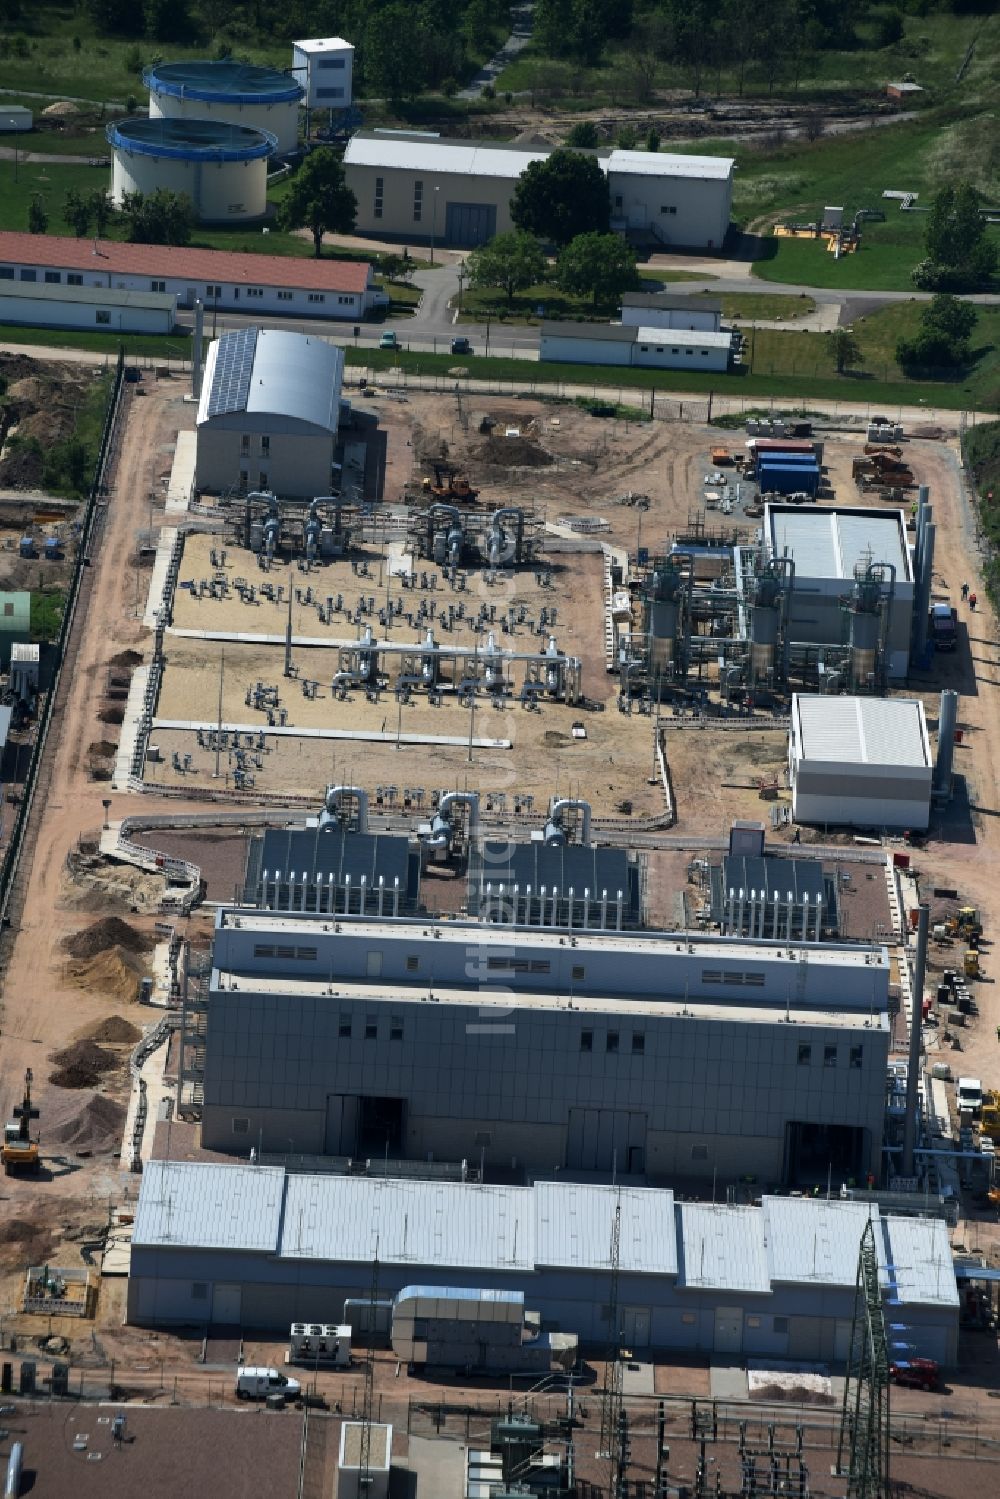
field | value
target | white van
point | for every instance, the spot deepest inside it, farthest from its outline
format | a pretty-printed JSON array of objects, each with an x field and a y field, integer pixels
[{"x": 257, "y": 1384}]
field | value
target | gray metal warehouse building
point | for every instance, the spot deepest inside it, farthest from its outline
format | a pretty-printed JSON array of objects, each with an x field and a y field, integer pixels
[
  {"x": 671, "y": 1055},
  {"x": 259, "y": 1248},
  {"x": 860, "y": 762},
  {"x": 269, "y": 413}
]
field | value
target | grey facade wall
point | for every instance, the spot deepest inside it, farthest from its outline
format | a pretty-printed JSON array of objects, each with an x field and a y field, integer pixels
[
  {"x": 680, "y": 210},
  {"x": 399, "y": 217},
  {"x": 175, "y": 1286},
  {"x": 545, "y": 1085},
  {"x": 297, "y": 464},
  {"x": 817, "y": 617}
]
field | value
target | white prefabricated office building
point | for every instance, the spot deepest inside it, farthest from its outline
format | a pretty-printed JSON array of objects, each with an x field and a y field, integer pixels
[
  {"x": 862, "y": 762},
  {"x": 650, "y": 1053},
  {"x": 56, "y": 306},
  {"x": 644, "y": 348},
  {"x": 416, "y": 187},
  {"x": 662, "y": 310},
  {"x": 269, "y": 413},
  {"x": 258, "y": 1248}
]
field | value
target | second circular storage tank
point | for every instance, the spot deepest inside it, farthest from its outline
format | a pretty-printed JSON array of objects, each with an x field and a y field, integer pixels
[
  {"x": 229, "y": 93},
  {"x": 222, "y": 168}
]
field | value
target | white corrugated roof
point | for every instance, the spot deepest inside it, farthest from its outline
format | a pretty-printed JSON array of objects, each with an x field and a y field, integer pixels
[
  {"x": 684, "y": 338},
  {"x": 815, "y": 1241},
  {"x": 830, "y": 543},
  {"x": 862, "y": 730},
  {"x": 722, "y": 1248},
  {"x": 917, "y": 1262},
  {"x": 457, "y": 157},
  {"x": 209, "y": 1206},
  {"x": 669, "y": 164},
  {"x": 574, "y": 1221},
  {"x": 295, "y": 376}
]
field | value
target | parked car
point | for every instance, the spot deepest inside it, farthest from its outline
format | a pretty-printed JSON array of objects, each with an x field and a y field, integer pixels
[
  {"x": 461, "y": 345},
  {"x": 388, "y": 341},
  {"x": 916, "y": 1373},
  {"x": 257, "y": 1384}
]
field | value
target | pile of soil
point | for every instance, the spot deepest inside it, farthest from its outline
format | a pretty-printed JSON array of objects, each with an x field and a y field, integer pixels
[
  {"x": 103, "y": 935},
  {"x": 126, "y": 660},
  {"x": 794, "y": 1394},
  {"x": 102, "y": 749},
  {"x": 115, "y": 713},
  {"x": 60, "y": 107},
  {"x": 115, "y": 1031},
  {"x": 512, "y": 452},
  {"x": 114, "y": 975},
  {"x": 97, "y": 1125},
  {"x": 81, "y": 1065},
  {"x": 25, "y": 1242}
]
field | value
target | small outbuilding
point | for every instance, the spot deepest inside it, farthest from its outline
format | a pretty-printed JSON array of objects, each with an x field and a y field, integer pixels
[
  {"x": 45, "y": 306},
  {"x": 324, "y": 66},
  {"x": 620, "y": 344},
  {"x": 15, "y": 119},
  {"x": 15, "y": 623},
  {"x": 641, "y": 309},
  {"x": 268, "y": 414},
  {"x": 860, "y": 762}
]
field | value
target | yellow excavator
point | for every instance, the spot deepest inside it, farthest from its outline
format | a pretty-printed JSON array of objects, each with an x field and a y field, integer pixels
[{"x": 20, "y": 1152}]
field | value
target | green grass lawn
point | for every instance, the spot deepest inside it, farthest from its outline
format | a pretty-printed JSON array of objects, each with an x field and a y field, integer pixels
[
  {"x": 664, "y": 277},
  {"x": 140, "y": 345},
  {"x": 770, "y": 306},
  {"x": 477, "y": 304}
]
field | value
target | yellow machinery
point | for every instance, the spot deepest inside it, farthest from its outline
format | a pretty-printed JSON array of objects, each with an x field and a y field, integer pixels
[
  {"x": 965, "y": 923},
  {"x": 20, "y": 1152},
  {"x": 971, "y": 964},
  {"x": 989, "y": 1119}
]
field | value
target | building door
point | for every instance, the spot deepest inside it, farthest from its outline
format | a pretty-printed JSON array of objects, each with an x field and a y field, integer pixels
[
  {"x": 635, "y": 1326},
  {"x": 469, "y": 224},
  {"x": 190, "y": 296},
  {"x": 638, "y": 216},
  {"x": 227, "y": 1305},
  {"x": 605, "y": 1140},
  {"x": 374, "y": 963},
  {"x": 341, "y": 1133},
  {"x": 728, "y": 1329}
]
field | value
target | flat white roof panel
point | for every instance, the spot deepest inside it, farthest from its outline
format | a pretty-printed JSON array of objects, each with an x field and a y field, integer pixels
[
  {"x": 670, "y": 164},
  {"x": 816, "y": 1242},
  {"x": 831, "y": 543},
  {"x": 445, "y": 156},
  {"x": 574, "y": 1223},
  {"x": 723, "y": 1248},
  {"x": 862, "y": 730},
  {"x": 207, "y": 1206},
  {"x": 686, "y": 338}
]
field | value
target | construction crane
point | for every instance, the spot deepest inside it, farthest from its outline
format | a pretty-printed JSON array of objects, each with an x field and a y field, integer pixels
[{"x": 20, "y": 1152}]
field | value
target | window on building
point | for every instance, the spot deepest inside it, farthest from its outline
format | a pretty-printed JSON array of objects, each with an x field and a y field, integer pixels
[
  {"x": 265, "y": 446},
  {"x": 157, "y": 286},
  {"x": 102, "y": 316},
  {"x": 8, "y": 610},
  {"x": 330, "y": 93},
  {"x": 371, "y": 1030},
  {"x": 699, "y": 1152},
  {"x": 412, "y": 964},
  {"x": 53, "y": 278},
  {"x": 344, "y": 1028},
  {"x": 330, "y": 62},
  {"x": 241, "y": 1126},
  {"x": 780, "y": 1324},
  {"x": 284, "y": 296},
  {"x": 345, "y": 301},
  {"x": 805, "y": 1054},
  {"x": 586, "y": 1040},
  {"x": 418, "y": 200},
  {"x": 379, "y": 190},
  {"x": 199, "y": 1290},
  {"x": 213, "y": 291},
  {"x": 659, "y": 348},
  {"x": 72, "y": 279},
  {"x": 611, "y": 1041},
  {"x": 29, "y": 276},
  {"x": 255, "y": 291},
  {"x": 395, "y": 1028},
  {"x": 6, "y": 273},
  {"x": 578, "y": 972},
  {"x": 829, "y": 1056},
  {"x": 689, "y": 1318},
  {"x": 703, "y": 353},
  {"x": 618, "y": 200},
  {"x": 263, "y": 480},
  {"x": 857, "y": 1054},
  {"x": 638, "y": 1041},
  {"x": 317, "y": 296},
  {"x": 753, "y": 1321},
  {"x": 665, "y": 208},
  {"x": 245, "y": 443}
]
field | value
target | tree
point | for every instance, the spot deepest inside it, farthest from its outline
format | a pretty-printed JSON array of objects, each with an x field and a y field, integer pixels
[
  {"x": 601, "y": 264},
  {"x": 890, "y": 28},
  {"x": 78, "y": 212},
  {"x": 847, "y": 352},
  {"x": 561, "y": 197},
  {"x": 959, "y": 252},
  {"x": 103, "y": 210},
  {"x": 942, "y": 339},
  {"x": 319, "y": 199},
  {"x": 653, "y": 141},
  {"x": 117, "y": 17},
  {"x": 583, "y": 136},
  {"x": 552, "y": 26},
  {"x": 160, "y": 218},
  {"x": 38, "y": 215},
  {"x": 512, "y": 262},
  {"x": 393, "y": 64},
  {"x": 168, "y": 20}
]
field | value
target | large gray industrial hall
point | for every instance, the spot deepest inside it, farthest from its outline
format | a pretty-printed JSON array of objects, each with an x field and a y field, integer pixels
[
  {"x": 256, "y": 1247},
  {"x": 656, "y": 1054}
]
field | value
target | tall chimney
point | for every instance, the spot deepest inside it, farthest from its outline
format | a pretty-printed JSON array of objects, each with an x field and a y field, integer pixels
[{"x": 947, "y": 721}]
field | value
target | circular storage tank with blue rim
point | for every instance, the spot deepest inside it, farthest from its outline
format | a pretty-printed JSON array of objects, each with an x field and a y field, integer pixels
[
  {"x": 228, "y": 92},
  {"x": 222, "y": 168}
]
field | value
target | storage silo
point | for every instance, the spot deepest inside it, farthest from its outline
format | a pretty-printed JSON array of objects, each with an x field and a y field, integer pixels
[
  {"x": 221, "y": 168},
  {"x": 228, "y": 93}
]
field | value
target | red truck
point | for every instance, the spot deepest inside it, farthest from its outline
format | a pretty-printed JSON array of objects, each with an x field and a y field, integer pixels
[{"x": 916, "y": 1373}]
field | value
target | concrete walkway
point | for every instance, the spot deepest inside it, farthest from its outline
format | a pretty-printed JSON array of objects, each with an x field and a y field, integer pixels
[{"x": 522, "y": 20}]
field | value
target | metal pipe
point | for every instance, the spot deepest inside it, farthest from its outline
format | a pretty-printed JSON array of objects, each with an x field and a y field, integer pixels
[
  {"x": 922, "y": 591},
  {"x": 561, "y": 804},
  {"x": 333, "y": 805},
  {"x": 947, "y": 721},
  {"x": 916, "y": 1023}
]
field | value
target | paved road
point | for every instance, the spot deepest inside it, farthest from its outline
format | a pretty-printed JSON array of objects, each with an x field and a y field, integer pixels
[{"x": 522, "y": 17}]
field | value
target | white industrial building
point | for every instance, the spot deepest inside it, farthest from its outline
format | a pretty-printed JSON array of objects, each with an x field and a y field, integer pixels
[
  {"x": 221, "y": 168},
  {"x": 58, "y": 306},
  {"x": 268, "y": 413},
  {"x": 324, "y": 66},
  {"x": 417, "y": 186},
  {"x": 851, "y": 586},
  {"x": 259, "y": 1248},
  {"x": 654, "y": 1053},
  {"x": 638, "y": 347},
  {"x": 664, "y": 310},
  {"x": 227, "y": 92},
  {"x": 341, "y": 290},
  {"x": 15, "y": 119},
  {"x": 861, "y": 762}
]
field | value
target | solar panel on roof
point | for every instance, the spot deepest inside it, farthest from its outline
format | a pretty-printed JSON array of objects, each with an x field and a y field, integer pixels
[{"x": 233, "y": 368}]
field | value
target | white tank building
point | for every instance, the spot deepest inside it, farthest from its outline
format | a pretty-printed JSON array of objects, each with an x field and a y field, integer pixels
[
  {"x": 324, "y": 66},
  {"x": 221, "y": 167},
  {"x": 227, "y": 93}
]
